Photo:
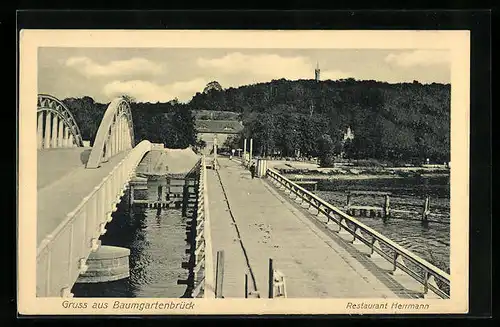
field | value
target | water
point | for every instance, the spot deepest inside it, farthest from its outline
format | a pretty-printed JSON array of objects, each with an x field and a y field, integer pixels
[
  {"x": 156, "y": 240},
  {"x": 429, "y": 241}
]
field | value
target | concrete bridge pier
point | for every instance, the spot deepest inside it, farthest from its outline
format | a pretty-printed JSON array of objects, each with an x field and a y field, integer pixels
[{"x": 108, "y": 263}]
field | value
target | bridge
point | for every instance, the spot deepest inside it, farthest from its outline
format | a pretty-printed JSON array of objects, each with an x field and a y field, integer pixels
[{"x": 246, "y": 235}]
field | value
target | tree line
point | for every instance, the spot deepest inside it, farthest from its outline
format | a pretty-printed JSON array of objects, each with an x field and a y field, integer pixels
[
  {"x": 169, "y": 123},
  {"x": 404, "y": 122}
]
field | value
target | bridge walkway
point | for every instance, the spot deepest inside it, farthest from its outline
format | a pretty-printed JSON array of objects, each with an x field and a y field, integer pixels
[
  {"x": 315, "y": 265},
  {"x": 225, "y": 237},
  {"x": 63, "y": 182}
]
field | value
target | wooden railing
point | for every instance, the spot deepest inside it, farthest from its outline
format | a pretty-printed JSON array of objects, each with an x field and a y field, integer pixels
[
  {"x": 431, "y": 277},
  {"x": 62, "y": 255},
  {"x": 203, "y": 262}
]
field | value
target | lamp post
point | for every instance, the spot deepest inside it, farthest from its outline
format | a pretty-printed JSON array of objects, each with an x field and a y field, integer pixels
[{"x": 215, "y": 152}]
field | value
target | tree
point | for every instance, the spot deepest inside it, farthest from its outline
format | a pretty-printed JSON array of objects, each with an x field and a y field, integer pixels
[
  {"x": 402, "y": 121},
  {"x": 180, "y": 130},
  {"x": 199, "y": 145},
  {"x": 232, "y": 142},
  {"x": 212, "y": 86},
  {"x": 174, "y": 101},
  {"x": 326, "y": 148},
  {"x": 130, "y": 99}
]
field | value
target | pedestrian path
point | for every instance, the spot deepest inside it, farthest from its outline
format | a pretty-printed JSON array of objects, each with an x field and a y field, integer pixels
[
  {"x": 315, "y": 266},
  {"x": 225, "y": 237}
]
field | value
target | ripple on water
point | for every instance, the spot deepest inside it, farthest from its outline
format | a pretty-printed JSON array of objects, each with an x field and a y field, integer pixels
[
  {"x": 157, "y": 249},
  {"x": 430, "y": 242}
]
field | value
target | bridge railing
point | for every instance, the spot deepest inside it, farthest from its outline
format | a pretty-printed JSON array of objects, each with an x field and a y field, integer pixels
[
  {"x": 431, "y": 277},
  {"x": 203, "y": 244},
  {"x": 62, "y": 255}
]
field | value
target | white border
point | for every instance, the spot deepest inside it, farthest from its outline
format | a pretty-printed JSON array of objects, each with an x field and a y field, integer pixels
[{"x": 456, "y": 41}]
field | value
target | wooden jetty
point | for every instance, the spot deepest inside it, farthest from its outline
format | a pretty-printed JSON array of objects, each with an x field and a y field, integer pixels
[
  {"x": 368, "y": 211},
  {"x": 386, "y": 211},
  {"x": 308, "y": 184}
]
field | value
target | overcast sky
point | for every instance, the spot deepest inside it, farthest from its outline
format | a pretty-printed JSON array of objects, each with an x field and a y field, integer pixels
[{"x": 160, "y": 74}]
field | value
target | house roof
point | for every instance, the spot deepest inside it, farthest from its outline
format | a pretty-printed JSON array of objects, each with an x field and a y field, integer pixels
[{"x": 218, "y": 126}]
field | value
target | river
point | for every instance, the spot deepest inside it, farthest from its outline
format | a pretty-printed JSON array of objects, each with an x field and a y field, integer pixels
[
  {"x": 429, "y": 241},
  {"x": 156, "y": 240}
]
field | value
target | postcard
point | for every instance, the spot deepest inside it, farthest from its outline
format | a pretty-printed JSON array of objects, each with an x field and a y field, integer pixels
[{"x": 187, "y": 172}]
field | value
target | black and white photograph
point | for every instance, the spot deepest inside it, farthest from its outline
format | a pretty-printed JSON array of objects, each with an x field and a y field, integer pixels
[{"x": 168, "y": 169}]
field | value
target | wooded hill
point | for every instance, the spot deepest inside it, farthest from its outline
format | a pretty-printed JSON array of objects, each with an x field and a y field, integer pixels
[
  {"x": 406, "y": 122},
  {"x": 398, "y": 122}
]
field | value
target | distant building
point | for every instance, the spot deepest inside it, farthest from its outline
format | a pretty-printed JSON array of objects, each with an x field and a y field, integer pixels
[
  {"x": 348, "y": 135},
  {"x": 220, "y": 130},
  {"x": 317, "y": 73}
]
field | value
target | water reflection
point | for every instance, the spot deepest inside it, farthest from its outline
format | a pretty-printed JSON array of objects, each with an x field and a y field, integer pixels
[{"x": 156, "y": 239}]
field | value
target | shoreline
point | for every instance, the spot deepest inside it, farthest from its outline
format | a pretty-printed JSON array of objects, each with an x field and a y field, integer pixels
[
  {"x": 340, "y": 177},
  {"x": 364, "y": 176}
]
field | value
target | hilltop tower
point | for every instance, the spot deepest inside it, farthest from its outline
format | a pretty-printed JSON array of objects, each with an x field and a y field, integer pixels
[{"x": 317, "y": 72}]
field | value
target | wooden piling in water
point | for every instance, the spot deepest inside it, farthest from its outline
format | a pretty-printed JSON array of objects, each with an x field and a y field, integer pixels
[
  {"x": 160, "y": 191},
  {"x": 425, "y": 211},
  {"x": 387, "y": 209}
]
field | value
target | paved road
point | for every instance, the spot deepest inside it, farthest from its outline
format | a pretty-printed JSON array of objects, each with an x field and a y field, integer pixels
[
  {"x": 63, "y": 182},
  {"x": 316, "y": 265}
]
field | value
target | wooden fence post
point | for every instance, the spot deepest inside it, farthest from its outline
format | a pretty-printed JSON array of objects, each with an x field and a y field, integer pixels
[
  {"x": 167, "y": 189},
  {"x": 219, "y": 274},
  {"x": 160, "y": 190},
  {"x": 425, "y": 211},
  {"x": 246, "y": 286},
  {"x": 387, "y": 211},
  {"x": 271, "y": 279}
]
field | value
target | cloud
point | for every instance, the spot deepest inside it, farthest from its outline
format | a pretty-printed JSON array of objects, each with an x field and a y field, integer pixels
[
  {"x": 145, "y": 91},
  {"x": 90, "y": 68},
  {"x": 236, "y": 68},
  {"x": 418, "y": 58},
  {"x": 262, "y": 66}
]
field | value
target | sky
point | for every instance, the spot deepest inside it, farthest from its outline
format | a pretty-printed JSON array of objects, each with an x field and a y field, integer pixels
[{"x": 162, "y": 74}]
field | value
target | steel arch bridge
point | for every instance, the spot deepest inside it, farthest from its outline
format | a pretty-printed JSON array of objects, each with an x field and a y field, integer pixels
[
  {"x": 74, "y": 208},
  {"x": 115, "y": 133},
  {"x": 56, "y": 126}
]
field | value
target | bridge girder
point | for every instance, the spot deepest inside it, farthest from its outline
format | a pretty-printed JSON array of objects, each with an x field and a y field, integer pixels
[
  {"x": 115, "y": 133},
  {"x": 60, "y": 129}
]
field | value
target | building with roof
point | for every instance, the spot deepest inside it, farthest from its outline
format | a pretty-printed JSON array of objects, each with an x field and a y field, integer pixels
[{"x": 219, "y": 130}]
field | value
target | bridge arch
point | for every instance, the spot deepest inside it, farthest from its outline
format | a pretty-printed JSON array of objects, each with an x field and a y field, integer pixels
[
  {"x": 115, "y": 133},
  {"x": 56, "y": 126}
]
